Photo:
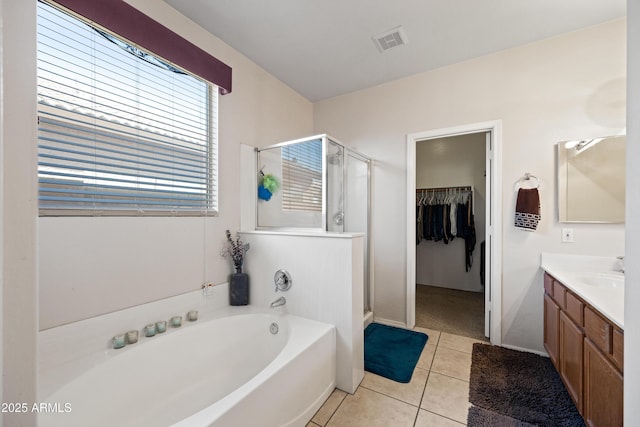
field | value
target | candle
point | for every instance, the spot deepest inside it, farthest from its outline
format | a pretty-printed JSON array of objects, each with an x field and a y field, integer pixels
[
  {"x": 161, "y": 326},
  {"x": 118, "y": 341},
  {"x": 150, "y": 330},
  {"x": 132, "y": 337}
]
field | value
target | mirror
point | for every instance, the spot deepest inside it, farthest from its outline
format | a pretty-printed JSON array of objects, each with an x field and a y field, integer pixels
[{"x": 591, "y": 180}]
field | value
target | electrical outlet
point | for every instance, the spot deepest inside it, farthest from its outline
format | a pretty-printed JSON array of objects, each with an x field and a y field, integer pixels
[
  {"x": 207, "y": 290},
  {"x": 567, "y": 235}
]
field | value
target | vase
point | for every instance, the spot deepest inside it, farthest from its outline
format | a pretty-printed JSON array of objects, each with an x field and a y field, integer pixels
[{"x": 239, "y": 289}]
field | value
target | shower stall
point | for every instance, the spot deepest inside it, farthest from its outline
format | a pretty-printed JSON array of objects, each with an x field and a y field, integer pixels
[{"x": 318, "y": 184}]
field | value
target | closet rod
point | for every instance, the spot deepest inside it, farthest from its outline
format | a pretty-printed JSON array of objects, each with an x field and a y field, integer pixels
[{"x": 465, "y": 187}]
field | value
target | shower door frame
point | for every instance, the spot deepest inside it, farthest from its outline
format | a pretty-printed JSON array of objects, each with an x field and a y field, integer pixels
[
  {"x": 368, "y": 301},
  {"x": 325, "y": 138}
]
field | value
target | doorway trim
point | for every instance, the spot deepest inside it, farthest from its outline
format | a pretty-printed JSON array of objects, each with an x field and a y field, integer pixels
[{"x": 494, "y": 218}]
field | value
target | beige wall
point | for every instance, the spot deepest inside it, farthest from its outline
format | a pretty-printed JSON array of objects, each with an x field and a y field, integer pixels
[
  {"x": 90, "y": 266},
  {"x": 18, "y": 210},
  {"x": 564, "y": 88}
]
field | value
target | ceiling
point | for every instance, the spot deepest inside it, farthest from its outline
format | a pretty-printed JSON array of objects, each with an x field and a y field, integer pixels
[{"x": 324, "y": 48}]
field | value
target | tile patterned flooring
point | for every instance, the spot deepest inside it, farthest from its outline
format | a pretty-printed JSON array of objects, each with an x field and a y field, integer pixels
[{"x": 437, "y": 396}]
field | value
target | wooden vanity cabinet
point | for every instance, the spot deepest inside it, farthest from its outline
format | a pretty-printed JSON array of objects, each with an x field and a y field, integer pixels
[{"x": 587, "y": 351}]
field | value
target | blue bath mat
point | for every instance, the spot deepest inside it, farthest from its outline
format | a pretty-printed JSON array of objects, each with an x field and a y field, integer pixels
[{"x": 392, "y": 352}]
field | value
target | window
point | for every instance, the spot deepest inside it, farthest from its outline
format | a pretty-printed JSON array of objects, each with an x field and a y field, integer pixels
[
  {"x": 302, "y": 176},
  {"x": 120, "y": 131}
]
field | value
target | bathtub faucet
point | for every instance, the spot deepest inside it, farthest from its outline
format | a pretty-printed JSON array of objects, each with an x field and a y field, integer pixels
[{"x": 277, "y": 303}]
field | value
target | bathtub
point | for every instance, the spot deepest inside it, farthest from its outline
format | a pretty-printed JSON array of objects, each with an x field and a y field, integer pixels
[{"x": 230, "y": 371}]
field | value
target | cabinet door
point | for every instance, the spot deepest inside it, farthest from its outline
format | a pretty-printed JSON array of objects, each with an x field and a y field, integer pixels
[
  {"x": 602, "y": 389},
  {"x": 551, "y": 329},
  {"x": 571, "y": 342}
]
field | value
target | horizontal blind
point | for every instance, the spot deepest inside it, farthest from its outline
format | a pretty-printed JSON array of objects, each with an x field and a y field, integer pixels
[
  {"x": 120, "y": 132},
  {"x": 302, "y": 176}
]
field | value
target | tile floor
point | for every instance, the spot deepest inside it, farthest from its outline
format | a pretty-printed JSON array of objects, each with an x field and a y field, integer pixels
[{"x": 437, "y": 396}]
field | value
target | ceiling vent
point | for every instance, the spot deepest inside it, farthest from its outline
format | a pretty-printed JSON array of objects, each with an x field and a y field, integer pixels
[{"x": 392, "y": 38}]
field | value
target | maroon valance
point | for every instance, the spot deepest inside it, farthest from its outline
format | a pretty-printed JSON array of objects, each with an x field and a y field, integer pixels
[{"x": 128, "y": 22}]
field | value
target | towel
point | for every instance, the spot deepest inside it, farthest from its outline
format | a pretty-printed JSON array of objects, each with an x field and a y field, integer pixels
[{"x": 528, "y": 209}]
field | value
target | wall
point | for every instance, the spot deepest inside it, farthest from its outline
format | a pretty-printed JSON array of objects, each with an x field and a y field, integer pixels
[
  {"x": 18, "y": 226},
  {"x": 446, "y": 162},
  {"x": 632, "y": 272},
  {"x": 91, "y": 266},
  {"x": 564, "y": 88}
]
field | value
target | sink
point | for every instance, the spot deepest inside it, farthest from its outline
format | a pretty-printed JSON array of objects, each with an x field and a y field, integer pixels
[{"x": 605, "y": 280}]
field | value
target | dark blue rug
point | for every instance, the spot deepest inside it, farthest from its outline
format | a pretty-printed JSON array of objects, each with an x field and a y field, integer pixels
[{"x": 392, "y": 352}]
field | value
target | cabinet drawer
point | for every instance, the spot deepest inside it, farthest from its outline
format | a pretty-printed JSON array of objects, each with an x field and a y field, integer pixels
[
  {"x": 598, "y": 330},
  {"x": 618, "y": 349},
  {"x": 558, "y": 293},
  {"x": 574, "y": 308},
  {"x": 548, "y": 284}
]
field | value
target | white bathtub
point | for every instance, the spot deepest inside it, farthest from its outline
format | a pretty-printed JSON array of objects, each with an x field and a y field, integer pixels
[{"x": 231, "y": 371}]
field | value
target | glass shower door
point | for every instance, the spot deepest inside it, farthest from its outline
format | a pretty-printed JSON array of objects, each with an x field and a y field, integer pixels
[{"x": 356, "y": 208}]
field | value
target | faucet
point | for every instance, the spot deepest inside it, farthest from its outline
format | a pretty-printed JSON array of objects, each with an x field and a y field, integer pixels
[{"x": 277, "y": 303}]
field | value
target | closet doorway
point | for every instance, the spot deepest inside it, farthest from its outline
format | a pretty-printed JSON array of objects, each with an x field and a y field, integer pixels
[{"x": 453, "y": 268}]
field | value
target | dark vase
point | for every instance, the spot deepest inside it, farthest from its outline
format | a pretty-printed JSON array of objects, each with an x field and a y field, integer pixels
[{"x": 239, "y": 289}]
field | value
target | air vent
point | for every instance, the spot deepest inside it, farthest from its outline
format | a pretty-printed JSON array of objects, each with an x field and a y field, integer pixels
[{"x": 392, "y": 38}]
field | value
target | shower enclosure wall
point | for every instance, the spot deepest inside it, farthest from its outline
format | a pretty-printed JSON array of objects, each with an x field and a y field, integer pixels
[{"x": 324, "y": 186}]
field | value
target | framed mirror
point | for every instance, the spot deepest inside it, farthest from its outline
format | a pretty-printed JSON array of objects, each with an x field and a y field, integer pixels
[{"x": 591, "y": 180}]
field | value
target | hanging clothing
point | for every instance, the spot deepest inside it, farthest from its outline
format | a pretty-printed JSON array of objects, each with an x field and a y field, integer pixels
[
  {"x": 446, "y": 218},
  {"x": 437, "y": 223},
  {"x": 470, "y": 240},
  {"x": 419, "y": 228},
  {"x": 426, "y": 222},
  {"x": 444, "y": 215},
  {"x": 467, "y": 231},
  {"x": 453, "y": 219}
]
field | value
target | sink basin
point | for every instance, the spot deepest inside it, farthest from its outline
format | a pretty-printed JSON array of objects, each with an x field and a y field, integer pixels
[{"x": 608, "y": 280}]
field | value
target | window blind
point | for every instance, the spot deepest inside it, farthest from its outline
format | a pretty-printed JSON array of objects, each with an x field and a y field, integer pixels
[
  {"x": 120, "y": 131},
  {"x": 302, "y": 176}
]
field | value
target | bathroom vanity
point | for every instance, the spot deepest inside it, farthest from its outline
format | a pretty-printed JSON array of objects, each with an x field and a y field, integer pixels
[{"x": 584, "y": 332}]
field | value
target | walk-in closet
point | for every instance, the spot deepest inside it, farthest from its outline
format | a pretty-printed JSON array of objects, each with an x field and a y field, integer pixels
[{"x": 450, "y": 230}]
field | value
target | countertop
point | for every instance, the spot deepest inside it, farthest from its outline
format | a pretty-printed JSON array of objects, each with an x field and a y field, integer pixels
[{"x": 570, "y": 271}]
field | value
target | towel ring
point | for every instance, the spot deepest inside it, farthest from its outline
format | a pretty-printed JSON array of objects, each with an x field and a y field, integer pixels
[{"x": 528, "y": 178}]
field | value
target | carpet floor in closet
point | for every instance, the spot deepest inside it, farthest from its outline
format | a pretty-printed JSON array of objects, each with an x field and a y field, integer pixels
[{"x": 450, "y": 310}]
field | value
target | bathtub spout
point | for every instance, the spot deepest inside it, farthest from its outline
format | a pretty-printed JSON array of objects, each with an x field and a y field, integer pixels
[{"x": 277, "y": 303}]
